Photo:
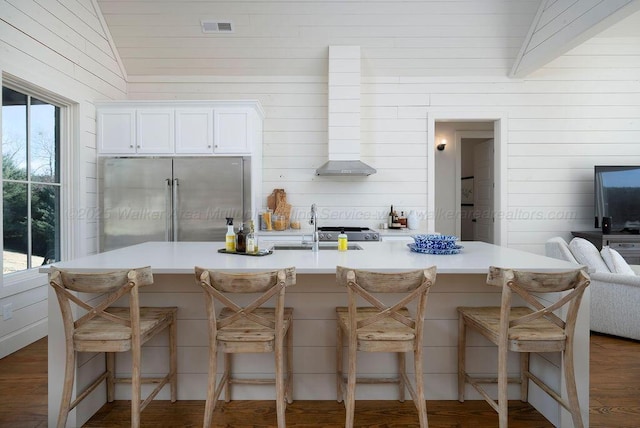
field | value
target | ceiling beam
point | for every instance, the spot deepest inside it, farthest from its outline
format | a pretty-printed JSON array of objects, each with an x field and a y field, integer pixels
[{"x": 561, "y": 25}]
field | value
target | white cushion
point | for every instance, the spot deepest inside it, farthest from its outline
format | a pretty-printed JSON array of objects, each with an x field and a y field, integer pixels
[
  {"x": 615, "y": 262},
  {"x": 587, "y": 254}
]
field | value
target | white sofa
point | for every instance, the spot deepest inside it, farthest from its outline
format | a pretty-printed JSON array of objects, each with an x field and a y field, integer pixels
[{"x": 615, "y": 297}]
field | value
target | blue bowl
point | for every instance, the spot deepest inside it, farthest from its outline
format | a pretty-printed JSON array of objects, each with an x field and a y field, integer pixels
[{"x": 435, "y": 242}]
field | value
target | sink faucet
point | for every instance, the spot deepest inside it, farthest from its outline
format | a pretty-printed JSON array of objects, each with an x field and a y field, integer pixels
[{"x": 314, "y": 221}]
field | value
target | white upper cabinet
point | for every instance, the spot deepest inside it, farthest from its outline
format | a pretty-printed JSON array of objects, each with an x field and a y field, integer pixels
[
  {"x": 194, "y": 130},
  {"x": 232, "y": 130},
  {"x": 181, "y": 127},
  {"x": 156, "y": 130},
  {"x": 117, "y": 130}
]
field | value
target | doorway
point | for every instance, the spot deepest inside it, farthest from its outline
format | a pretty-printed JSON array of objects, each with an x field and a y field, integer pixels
[
  {"x": 474, "y": 195},
  {"x": 476, "y": 171}
]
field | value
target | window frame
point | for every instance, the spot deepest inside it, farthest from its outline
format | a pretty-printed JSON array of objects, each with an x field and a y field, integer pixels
[{"x": 31, "y": 278}]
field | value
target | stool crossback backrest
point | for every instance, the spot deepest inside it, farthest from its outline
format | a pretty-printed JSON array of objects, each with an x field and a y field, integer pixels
[
  {"x": 528, "y": 284},
  {"x": 112, "y": 285}
]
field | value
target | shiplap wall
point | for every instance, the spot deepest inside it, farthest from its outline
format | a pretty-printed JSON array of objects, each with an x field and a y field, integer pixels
[
  {"x": 58, "y": 47},
  {"x": 275, "y": 38},
  {"x": 564, "y": 24},
  {"x": 580, "y": 110}
]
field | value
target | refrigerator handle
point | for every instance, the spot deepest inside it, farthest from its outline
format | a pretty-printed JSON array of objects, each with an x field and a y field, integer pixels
[
  {"x": 175, "y": 209},
  {"x": 169, "y": 211}
]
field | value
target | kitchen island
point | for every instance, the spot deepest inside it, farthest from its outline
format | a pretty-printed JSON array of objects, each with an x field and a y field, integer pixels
[{"x": 460, "y": 281}]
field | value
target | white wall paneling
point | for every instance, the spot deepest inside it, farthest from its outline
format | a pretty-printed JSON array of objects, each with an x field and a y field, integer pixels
[
  {"x": 560, "y": 25},
  {"x": 58, "y": 48}
]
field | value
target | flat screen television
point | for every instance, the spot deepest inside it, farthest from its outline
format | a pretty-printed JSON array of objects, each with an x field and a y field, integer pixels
[{"x": 617, "y": 195}]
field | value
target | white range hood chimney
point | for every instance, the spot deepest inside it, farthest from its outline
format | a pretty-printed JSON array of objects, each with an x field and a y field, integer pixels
[{"x": 344, "y": 114}]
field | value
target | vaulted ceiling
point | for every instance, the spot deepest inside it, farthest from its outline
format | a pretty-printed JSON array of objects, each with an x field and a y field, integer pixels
[{"x": 290, "y": 38}]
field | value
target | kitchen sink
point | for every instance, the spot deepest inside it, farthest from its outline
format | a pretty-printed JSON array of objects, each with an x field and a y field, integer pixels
[{"x": 323, "y": 246}]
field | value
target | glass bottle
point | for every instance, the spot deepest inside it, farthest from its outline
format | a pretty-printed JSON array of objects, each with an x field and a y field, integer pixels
[
  {"x": 252, "y": 243},
  {"x": 241, "y": 240}
]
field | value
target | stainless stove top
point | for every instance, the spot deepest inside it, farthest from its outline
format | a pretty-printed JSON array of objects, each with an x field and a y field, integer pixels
[{"x": 330, "y": 233}]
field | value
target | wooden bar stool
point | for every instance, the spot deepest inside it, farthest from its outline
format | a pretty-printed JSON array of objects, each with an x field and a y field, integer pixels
[
  {"x": 382, "y": 328},
  {"x": 108, "y": 329},
  {"x": 249, "y": 329},
  {"x": 535, "y": 328}
]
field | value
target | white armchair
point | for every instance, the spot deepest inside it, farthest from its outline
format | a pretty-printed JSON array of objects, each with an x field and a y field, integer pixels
[{"x": 615, "y": 298}]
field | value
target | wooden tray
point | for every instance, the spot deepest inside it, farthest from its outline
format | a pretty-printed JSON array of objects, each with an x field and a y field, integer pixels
[{"x": 260, "y": 253}]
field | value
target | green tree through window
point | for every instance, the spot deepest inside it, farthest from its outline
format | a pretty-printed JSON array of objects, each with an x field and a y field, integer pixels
[{"x": 30, "y": 181}]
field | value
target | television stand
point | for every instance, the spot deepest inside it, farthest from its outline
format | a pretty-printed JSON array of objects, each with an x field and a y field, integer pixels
[{"x": 627, "y": 244}]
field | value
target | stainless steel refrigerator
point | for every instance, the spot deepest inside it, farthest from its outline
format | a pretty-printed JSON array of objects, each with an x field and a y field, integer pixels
[{"x": 171, "y": 199}]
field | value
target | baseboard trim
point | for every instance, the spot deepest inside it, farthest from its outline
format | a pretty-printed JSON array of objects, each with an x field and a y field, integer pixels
[{"x": 23, "y": 337}]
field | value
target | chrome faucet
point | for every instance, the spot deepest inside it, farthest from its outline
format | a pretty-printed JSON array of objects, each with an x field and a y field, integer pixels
[{"x": 315, "y": 243}]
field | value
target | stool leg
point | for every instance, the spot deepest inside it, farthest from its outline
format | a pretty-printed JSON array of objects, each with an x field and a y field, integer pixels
[
  {"x": 280, "y": 399},
  {"x": 136, "y": 356},
  {"x": 339, "y": 357},
  {"x": 110, "y": 358},
  {"x": 402, "y": 372},
  {"x": 289, "y": 391},
  {"x": 524, "y": 376},
  {"x": 67, "y": 389},
  {"x": 420, "y": 401},
  {"x": 503, "y": 403},
  {"x": 570, "y": 381},
  {"x": 210, "y": 404},
  {"x": 173, "y": 359},
  {"x": 462, "y": 350},
  {"x": 227, "y": 375},
  {"x": 351, "y": 384}
]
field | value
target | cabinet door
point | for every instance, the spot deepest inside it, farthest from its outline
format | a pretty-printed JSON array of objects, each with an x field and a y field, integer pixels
[
  {"x": 232, "y": 131},
  {"x": 117, "y": 131},
  {"x": 156, "y": 131},
  {"x": 194, "y": 131}
]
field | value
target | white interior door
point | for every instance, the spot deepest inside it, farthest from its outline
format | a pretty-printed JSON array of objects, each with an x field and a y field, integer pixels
[{"x": 483, "y": 186}]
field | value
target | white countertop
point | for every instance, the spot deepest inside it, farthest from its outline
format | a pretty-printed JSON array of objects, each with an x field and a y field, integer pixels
[{"x": 181, "y": 257}]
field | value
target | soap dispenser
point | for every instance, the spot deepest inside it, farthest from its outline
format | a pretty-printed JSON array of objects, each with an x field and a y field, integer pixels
[
  {"x": 230, "y": 237},
  {"x": 342, "y": 241}
]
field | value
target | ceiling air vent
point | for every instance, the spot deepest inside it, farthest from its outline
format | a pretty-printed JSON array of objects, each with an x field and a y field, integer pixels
[{"x": 216, "y": 27}]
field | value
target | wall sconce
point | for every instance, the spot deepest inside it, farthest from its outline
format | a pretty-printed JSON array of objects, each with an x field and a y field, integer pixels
[{"x": 442, "y": 144}]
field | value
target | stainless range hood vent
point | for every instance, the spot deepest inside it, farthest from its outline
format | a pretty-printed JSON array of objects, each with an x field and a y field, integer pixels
[
  {"x": 345, "y": 167},
  {"x": 343, "y": 114}
]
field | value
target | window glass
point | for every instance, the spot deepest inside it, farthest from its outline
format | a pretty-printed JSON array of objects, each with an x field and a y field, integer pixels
[
  {"x": 45, "y": 224},
  {"x": 30, "y": 181},
  {"x": 15, "y": 226},
  {"x": 14, "y": 134},
  {"x": 44, "y": 148}
]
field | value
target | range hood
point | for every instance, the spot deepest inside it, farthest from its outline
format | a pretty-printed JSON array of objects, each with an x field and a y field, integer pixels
[
  {"x": 345, "y": 167},
  {"x": 344, "y": 114}
]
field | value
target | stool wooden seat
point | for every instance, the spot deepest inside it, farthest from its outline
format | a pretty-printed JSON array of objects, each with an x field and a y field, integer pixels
[
  {"x": 108, "y": 329},
  {"x": 525, "y": 329},
  {"x": 382, "y": 328},
  {"x": 248, "y": 329}
]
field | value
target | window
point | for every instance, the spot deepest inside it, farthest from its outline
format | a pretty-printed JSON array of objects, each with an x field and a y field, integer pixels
[{"x": 30, "y": 181}]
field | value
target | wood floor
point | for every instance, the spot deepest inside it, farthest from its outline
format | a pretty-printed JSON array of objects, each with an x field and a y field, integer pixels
[{"x": 615, "y": 400}]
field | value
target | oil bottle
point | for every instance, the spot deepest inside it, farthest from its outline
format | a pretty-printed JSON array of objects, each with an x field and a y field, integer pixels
[
  {"x": 241, "y": 242},
  {"x": 252, "y": 244}
]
